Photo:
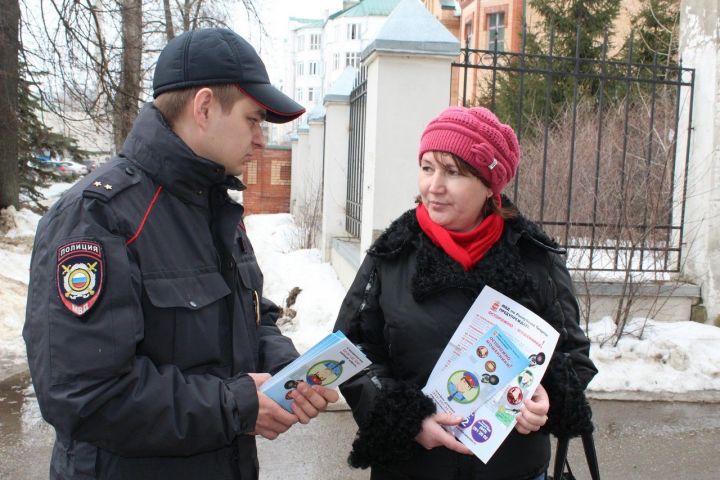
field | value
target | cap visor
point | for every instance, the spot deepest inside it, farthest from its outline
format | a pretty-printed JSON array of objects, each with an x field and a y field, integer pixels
[{"x": 280, "y": 108}]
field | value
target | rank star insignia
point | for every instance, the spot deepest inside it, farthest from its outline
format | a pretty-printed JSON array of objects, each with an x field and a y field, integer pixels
[
  {"x": 80, "y": 275},
  {"x": 108, "y": 186},
  {"x": 98, "y": 184}
]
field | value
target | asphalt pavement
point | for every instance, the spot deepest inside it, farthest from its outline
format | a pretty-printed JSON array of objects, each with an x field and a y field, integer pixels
[{"x": 652, "y": 440}]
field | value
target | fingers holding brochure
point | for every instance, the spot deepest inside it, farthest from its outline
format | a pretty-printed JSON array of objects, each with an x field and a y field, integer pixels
[
  {"x": 433, "y": 434},
  {"x": 533, "y": 414},
  {"x": 272, "y": 419},
  {"x": 309, "y": 401}
]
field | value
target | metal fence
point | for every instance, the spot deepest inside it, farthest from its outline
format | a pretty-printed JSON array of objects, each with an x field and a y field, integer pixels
[
  {"x": 356, "y": 154},
  {"x": 600, "y": 170}
]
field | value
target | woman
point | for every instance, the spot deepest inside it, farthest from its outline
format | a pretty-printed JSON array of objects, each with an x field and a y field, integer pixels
[{"x": 415, "y": 286}]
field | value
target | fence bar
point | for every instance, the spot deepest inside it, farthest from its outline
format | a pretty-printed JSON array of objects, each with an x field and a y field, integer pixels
[{"x": 581, "y": 224}]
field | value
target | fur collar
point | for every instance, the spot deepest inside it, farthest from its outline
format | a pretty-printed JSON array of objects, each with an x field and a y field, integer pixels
[{"x": 502, "y": 267}]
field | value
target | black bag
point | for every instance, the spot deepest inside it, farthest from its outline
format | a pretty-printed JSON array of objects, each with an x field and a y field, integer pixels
[{"x": 561, "y": 462}]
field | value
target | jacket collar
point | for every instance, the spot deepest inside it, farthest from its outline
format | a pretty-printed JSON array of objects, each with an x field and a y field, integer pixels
[
  {"x": 502, "y": 267},
  {"x": 168, "y": 160}
]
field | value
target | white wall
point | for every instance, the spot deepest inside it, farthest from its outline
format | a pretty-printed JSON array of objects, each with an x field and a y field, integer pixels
[
  {"x": 404, "y": 93},
  {"x": 337, "y": 136},
  {"x": 700, "y": 49},
  {"x": 300, "y": 154}
]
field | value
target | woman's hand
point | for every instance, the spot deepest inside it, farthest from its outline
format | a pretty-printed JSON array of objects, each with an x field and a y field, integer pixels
[
  {"x": 534, "y": 412},
  {"x": 434, "y": 435}
]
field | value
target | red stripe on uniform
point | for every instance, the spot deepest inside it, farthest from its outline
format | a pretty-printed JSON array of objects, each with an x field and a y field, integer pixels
[{"x": 145, "y": 217}]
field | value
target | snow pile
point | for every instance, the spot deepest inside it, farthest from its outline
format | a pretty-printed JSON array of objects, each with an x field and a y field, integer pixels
[
  {"x": 673, "y": 357},
  {"x": 317, "y": 304},
  {"x": 17, "y": 231}
]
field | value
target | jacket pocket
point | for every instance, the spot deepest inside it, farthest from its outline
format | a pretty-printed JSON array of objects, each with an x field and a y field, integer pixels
[{"x": 187, "y": 320}]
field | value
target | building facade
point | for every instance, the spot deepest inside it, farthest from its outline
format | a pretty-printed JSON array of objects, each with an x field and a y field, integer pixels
[{"x": 322, "y": 48}]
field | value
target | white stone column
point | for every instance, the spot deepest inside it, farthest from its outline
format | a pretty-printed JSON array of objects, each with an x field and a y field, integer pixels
[
  {"x": 311, "y": 206},
  {"x": 700, "y": 49},
  {"x": 408, "y": 83},
  {"x": 337, "y": 119},
  {"x": 300, "y": 157}
]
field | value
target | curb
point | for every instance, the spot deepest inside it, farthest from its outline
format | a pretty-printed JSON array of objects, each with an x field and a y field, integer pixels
[{"x": 693, "y": 396}]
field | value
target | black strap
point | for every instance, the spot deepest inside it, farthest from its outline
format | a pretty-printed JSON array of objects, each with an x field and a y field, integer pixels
[
  {"x": 560, "y": 457},
  {"x": 590, "y": 456}
]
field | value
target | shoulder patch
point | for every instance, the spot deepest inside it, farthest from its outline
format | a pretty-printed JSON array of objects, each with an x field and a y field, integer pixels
[
  {"x": 108, "y": 184},
  {"x": 80, "y": 275}
]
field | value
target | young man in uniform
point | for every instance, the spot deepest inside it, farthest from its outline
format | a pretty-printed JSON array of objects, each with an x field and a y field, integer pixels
[{"x": 146, "y": 330}]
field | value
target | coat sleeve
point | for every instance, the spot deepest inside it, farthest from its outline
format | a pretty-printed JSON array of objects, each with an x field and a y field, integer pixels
[
  {"x": 570, "y": 369},
  {"x": 573, "y": 341},
  {"x": 388, "y": 412},
  {"x": 91, "y": 383}
]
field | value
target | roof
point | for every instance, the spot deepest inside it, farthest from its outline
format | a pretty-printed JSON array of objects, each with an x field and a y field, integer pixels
[
  {"x": 368, "y": 8},
  {"x": 307, "y": 23},
  {"x": 411, "y": 28}
]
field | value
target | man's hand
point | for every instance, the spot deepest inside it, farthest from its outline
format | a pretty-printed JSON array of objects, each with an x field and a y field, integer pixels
[
  {"x": 534, "y": 412},
  {"x": 434, "y": 435},
  {"x": 310, "y": 401},
  {"x": 272, "y": 419}
]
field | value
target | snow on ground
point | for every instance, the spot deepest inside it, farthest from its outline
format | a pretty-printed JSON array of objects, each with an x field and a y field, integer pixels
[
  {"x": 17, "y": 230},
  {"x": 669, "y": 357},
  {"x": 676, "y": 357},
  {"x": 284, "y": 268}
]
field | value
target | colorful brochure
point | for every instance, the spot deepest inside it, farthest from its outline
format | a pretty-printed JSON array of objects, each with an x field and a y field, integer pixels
[
  {"x": 330, "y": 362},
  {"x": 514, "y": 338},
  {"x": 476, "y": 374}
]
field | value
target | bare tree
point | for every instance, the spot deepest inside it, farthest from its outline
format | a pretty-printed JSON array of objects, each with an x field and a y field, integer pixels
[
  {"x": 9, "y": 78},
  {"x": 98, "y": 54},
  {"x": 125, "y": 106}
]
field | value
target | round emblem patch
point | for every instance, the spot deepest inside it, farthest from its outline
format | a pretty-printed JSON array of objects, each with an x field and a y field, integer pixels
[{"x": 80, "y": 272}]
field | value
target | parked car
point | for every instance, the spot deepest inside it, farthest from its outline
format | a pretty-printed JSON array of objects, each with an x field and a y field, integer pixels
[
  {"x": 90, "y": 163},
  {"x": 66, "y": 168}
]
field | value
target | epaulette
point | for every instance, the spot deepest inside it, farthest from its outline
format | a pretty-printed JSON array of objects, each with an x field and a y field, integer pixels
[{"x": 111, "y": 182}]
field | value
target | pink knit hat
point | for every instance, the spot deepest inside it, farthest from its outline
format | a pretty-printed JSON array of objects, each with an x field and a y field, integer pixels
[{"x": 476, "y": 136}]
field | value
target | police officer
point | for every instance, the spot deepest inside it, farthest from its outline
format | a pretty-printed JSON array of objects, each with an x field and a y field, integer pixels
[{"x": 147, "y": 332}]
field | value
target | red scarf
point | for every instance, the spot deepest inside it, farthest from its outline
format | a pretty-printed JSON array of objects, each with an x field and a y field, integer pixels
[{"x": 467, "y": 248}]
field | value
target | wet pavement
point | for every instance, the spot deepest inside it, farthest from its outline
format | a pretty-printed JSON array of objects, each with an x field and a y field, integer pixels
[{"x": 635, "y": 440}]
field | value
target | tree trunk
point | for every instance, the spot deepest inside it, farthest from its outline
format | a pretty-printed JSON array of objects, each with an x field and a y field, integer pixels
[
  {"x": 9, "y": 75},
  {"x": 125, "y": 107},
  {"x": 169, "y": 27}
]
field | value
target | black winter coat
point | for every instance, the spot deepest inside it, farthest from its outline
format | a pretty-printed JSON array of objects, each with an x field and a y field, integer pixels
[
  {"x": 404, "y": 305},
  {"x": 150, "y": 382}
]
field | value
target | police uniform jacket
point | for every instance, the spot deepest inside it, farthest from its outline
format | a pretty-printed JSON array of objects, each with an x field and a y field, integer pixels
[
  {"x": 406, "y": 301},
  {"x": 145, "y": 314}
]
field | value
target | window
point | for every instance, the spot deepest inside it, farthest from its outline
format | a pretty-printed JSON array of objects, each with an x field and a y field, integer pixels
[
  {"x": 300, "y": 69},
  {"x": 353, "y": 31},
  {"x": 299, "y": 96},
  {"x": 300, "y": 43},
  {"x": 352, "y": 59},
  {"x": 496, "y": 31},
  {"x": 313, "y": 68},
  {"x": 336, "y": 61},
  {"x": 311, "y": 94},
  {"x": 469, "y": 32},
  {"x": 315, "y": 41}
]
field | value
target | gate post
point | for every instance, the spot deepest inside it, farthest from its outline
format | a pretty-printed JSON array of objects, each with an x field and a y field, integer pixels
[
  {"x": 700, "y": 49},
  {"x": 335, "y": 162},
  {"x": 408, "y": 83}
]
